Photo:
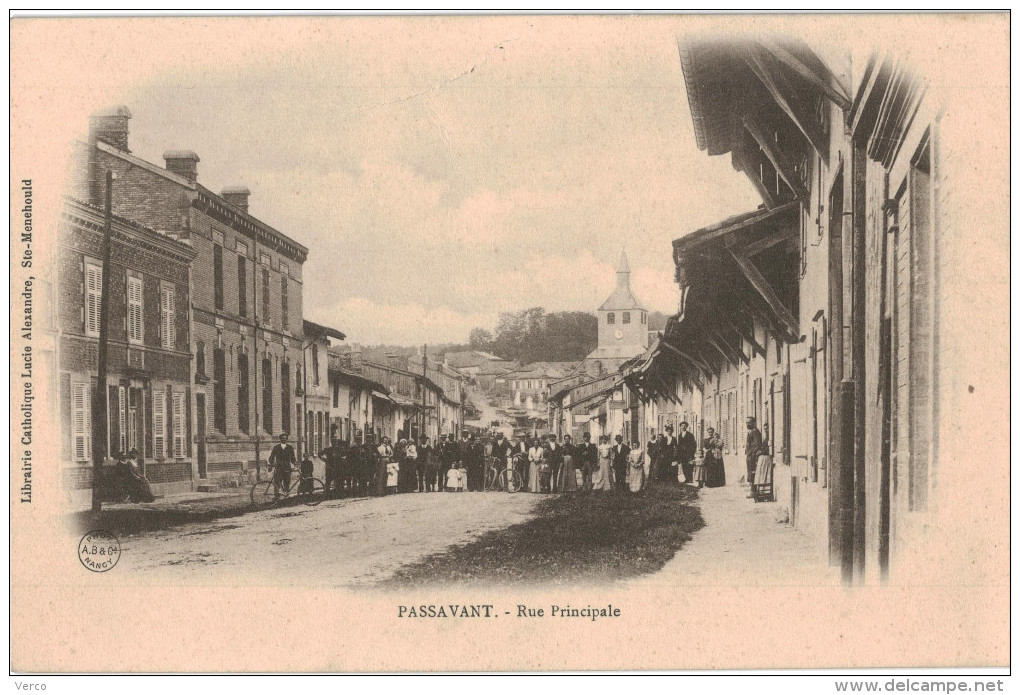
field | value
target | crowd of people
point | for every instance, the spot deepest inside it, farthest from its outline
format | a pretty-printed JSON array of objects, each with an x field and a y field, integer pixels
[{"x": 547, "y": 464}]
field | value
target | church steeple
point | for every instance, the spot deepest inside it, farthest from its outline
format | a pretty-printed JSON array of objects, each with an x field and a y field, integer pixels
[
  {"x": 623, "y": 272},
  {"x": 622, "y": 298}
]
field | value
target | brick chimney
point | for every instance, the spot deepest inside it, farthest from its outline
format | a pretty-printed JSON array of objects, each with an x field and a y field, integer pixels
[
  {"x": 183, "y": 163},
  {"x": 110, "y": 126},
  {"x": 236, "y": 196}
]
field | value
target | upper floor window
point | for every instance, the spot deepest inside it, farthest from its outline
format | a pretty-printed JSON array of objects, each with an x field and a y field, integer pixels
[
  {"x": 315, "y": 364},
  {"x": 610, "y": 318},
  {"x": 265, "y": 296},
  {"x": 242, "y": 279},
  {"x": 134, "y": 309},
  {"x": 93, "y": 297},
  {"x": 218, "y": 276},
  {"x": 167, "y": 322},
  {"x": 284, "y": 312},
  {"x": 626, "y": 317}
]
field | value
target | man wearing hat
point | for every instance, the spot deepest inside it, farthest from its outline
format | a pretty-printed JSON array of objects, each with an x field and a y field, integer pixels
[
  {"x": 687, "y": 449},
  {"x": 752, "y": 449}
]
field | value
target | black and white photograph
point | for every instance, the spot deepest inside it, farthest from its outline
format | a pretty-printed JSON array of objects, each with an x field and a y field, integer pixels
[{"x": 685, "y": 335}]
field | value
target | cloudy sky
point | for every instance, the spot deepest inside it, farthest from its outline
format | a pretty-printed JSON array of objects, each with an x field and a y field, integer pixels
[{"x": 444, "y": 170}]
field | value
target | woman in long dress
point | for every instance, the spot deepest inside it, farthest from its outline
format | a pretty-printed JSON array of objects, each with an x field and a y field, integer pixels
[
  {"x": 603, "y": 477},
  {"x": 636, "y": 467},
  {"x": 568, "y": 475},
  {"x": 715, "y": 471},
  {"x": 535, "y": 455}
]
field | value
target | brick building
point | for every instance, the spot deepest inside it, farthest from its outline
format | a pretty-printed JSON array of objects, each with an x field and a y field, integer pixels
[
  {"x": 247, "y": 340},
  {"x": 148, "y": 381}
]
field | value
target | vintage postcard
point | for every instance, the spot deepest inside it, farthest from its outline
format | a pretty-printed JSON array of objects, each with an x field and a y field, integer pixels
[{"x": 509, "y": 343}]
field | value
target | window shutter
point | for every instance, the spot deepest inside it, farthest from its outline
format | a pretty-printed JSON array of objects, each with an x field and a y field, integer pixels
[
  {"x": 167, "y": 327},
  {"x": 187, "y": 424},
  {"x": 113, "y": 420},
  {"x": 93, "y": 294},
  {"x": 66, "y": 415},
  {"x": 178, "y": 424},
  {"x": 81, "y": 422},
  {"x": 171, "y": 423},
  {"x": 159, "y": 424},
  {"x": 148, "y": 422},
  {"x": 134, "y": 318},
  {"x": 122, "y": 418}
]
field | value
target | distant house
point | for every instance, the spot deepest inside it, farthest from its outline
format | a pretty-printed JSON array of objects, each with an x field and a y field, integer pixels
[{"x": 528, "y": 386}]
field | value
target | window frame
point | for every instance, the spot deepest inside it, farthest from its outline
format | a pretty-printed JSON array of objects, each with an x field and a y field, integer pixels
[
  {"x": 93, "y": 298},
  {"x": 135, "y": 311},
  {"x": 168, "y": 316}
]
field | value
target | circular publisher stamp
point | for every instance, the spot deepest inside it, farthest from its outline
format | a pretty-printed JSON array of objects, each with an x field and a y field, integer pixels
[{"x": 99, "y": 550}]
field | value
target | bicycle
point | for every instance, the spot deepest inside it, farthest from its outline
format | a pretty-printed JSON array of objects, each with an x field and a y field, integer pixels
[
  {"x": 507, "y": 478},
  {"x": 309, "y": 491}
]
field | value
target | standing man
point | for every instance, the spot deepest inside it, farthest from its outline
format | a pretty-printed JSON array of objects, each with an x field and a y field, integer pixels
[
  {"x": 331, "y": 457},
  {"x": 501, "y": 450},
  {"x": 621, "y": 461},
  {"x": 588, "y": 453},
  {"x": 554, "y": 457},
  {"x": 426, "y": 473},
  {"x": 449, "y": 459},
  {"x": 282, "y": 460},
  {"x": 687, "y": 449},
  {"x": 752, "y": 449}
]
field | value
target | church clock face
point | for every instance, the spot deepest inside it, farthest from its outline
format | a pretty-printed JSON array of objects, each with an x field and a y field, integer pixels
[{"x": 619, "y": 334}]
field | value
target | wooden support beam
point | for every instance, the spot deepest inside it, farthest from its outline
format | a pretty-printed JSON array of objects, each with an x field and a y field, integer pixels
[
  {"x": 745, "y": 332},
  {"x": 764, "y": 289},
  {"x": 784, "y": 167},
  {"x": 754, "y": 248},
  {"x": 726, "y": 354},
  {"x": 780, "y": 90},
  {"x": 690, "y": 358},
  {"x": 819, "y": 75},
  {"x": 740, "y": 160},
  {"x": 737, "y": 350}
]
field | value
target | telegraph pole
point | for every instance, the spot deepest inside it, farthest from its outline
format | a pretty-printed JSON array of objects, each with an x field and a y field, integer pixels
[
  {"x": 99, "y": 401},
  {"x": 424, "y": 377}
]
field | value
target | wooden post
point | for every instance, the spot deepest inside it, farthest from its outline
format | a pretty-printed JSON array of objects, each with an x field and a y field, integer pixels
[
  {"x": 845, "y": 437},
  {"x": 424, "y": 377},
  {"x": 99, "y": 400}
]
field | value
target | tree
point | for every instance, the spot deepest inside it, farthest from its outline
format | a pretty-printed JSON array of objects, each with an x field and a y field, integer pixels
[
  {"x": 479, "y": 339},
  {"x": 532, "y": 335}
]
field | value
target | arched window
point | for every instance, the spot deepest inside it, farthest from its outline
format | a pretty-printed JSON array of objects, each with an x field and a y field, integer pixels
[{"x": 610, "y": 318}]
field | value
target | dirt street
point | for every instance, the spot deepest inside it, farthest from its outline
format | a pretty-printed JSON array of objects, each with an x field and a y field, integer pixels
[{"x": 339, "y": 542}]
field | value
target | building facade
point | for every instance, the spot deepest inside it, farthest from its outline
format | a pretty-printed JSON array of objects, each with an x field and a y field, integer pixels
[
  {"x": 148, "y": 381},
  {"x": 247, "y": 337}
]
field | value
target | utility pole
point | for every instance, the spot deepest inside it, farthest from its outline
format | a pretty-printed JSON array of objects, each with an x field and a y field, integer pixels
[
  {"x": 99, "y": 401},
  {"x": 424, "y": 377},
  {"x": 256, "y": 366}
]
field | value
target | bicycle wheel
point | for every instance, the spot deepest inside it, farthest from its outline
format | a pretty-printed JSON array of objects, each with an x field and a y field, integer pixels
[
  {"x": 263, "y": 496},
  {"x": 311, "y": 492},
  {"x": 491, "y": 479},
  {"x": 510, "y": 480}
]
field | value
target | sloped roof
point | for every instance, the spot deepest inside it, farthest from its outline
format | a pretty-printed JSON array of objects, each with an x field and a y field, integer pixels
[{"x": 622, "y": 299}]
